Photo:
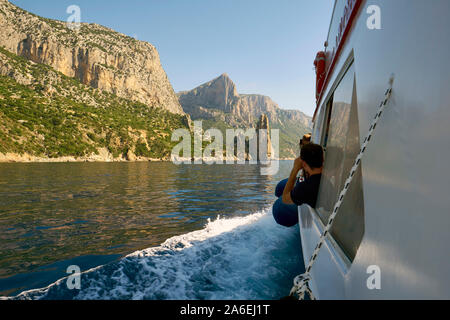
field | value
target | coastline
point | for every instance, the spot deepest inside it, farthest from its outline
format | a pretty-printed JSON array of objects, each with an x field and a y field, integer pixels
[
  {"x": 101, "y": 157},
  {"x": 27, "y": 158}
]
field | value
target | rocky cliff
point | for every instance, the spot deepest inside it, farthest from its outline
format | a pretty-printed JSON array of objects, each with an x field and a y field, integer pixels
[
  {"x": 219, "y": 104},
  {"x": 218, "y": 94},
  {"x": 221, "y": 94},
  {"x": 95, "y": 55},
  {"x": 90, "y": 95},
  {"x": 263, "y": 124},
  {"x": 47, "y": 116}
]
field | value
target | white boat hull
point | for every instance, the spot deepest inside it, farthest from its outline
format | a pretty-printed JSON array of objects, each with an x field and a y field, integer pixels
[{"x": 405, "y": 172}]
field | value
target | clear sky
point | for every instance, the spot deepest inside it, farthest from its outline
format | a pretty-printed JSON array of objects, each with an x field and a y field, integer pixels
[{"x": 265, "y": 46}]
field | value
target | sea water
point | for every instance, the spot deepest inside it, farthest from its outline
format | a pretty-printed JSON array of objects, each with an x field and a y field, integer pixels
[{"x": 144, "y": 231}]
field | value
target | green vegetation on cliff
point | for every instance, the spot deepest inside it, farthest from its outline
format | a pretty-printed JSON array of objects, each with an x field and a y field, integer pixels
[{"x": 44, "y": 113}]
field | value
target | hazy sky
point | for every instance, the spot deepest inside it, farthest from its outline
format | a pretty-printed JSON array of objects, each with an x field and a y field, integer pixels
[{"x": 266, "y": 46}]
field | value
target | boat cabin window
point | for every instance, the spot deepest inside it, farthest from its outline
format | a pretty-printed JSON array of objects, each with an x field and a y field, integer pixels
[
  {"x": 341, "y": 140},
  {"x": 327, "y": 119}
]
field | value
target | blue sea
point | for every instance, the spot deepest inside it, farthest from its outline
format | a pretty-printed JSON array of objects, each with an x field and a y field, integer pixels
[{"x": 146, "y": 230}]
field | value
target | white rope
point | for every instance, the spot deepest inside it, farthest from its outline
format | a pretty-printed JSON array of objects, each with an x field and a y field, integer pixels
[{"x": 301, "y": 282}]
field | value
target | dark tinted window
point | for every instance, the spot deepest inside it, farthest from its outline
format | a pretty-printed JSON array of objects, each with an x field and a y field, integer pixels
[{"x": 342, "y": 147}]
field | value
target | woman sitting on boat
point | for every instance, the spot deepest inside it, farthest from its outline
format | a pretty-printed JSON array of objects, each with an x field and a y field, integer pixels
[{"x": 306, "y": 192}]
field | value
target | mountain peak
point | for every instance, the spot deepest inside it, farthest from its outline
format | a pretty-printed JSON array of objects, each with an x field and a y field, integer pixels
[
  {"x": 219, "y": 93},
  {"x": 219, "y": 102},
  {"x": 223, "y": 78}
]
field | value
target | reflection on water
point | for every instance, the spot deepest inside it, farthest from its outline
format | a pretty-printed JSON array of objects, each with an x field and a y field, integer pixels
[{"x": 97, "y": 212}]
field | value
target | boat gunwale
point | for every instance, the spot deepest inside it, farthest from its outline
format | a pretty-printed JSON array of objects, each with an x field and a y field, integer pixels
[{"x": 338, "y": 52}]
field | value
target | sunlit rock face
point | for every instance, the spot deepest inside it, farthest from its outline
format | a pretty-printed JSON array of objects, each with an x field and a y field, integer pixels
[
  {"x": 220, "y": 95},
  {"x": 219, "y": 102},
  {"x": 97, "y": 56},
  {"x": 264, "y": 142}
]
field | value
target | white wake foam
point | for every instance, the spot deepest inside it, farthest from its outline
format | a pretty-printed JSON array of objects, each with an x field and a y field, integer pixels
[{"x": 239, "y": 258}]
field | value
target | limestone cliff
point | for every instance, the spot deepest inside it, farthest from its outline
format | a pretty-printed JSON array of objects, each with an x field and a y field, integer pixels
[
  {"x": 219, "y": 102},
  {"x": 47, "y": 116},
  {"x": 95, "y": 55},
  {"x": 221, "y": 95},
  {"x": 263, "y": 124}
]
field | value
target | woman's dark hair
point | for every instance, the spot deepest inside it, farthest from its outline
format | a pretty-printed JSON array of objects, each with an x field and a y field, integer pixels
[
  {"x": 312, "y": 154},
  {"x": 306, "y": 139}
]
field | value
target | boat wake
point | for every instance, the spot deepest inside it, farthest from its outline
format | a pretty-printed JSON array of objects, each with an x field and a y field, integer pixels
[{"x": 231, "y": 259}]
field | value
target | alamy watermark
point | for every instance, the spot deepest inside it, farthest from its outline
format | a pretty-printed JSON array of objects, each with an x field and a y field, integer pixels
[
  {"x": 74, "y": 280},
  {"x": 252, "y": 146},
  {"x": 74, "y": 20},
  {"x": 374, "y": 20},
  {"x": 374, "y": 280}
]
